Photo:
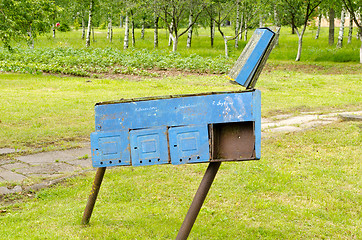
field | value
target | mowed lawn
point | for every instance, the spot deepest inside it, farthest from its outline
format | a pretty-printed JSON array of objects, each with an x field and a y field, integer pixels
[{"x": 306, "y": 186}]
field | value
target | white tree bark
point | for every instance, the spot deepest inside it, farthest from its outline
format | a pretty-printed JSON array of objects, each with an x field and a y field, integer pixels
[
  {"x": 132, "y": 30},
  {"x": 143, "y": 29},
  {"x": 350, "y": 31},
  {"x": 319, "y": 25},
  {"x": 155, "y": 35},
  {"x": 87, "y": 43},
  {"x": 212, "y": 31},
  {"x": 241, "y": 25},
  {"x": 170, "y": 36},
  {"x": 246, "y": 30},
  {"x": 31, "y": 38},
  {"x": 341, "y": 30},
  {"x": 278, "y": 24},
  {"x": 189, "y": 33},
  {"x": 300, "y": 42},
  {"x": 83, "y": 28},
  {"x": 175, "y": 42},
  {"x": 110, "y": 30},
  {"x": 126, "y": 33},
  {"x": 261, "y": 23},
  {"x": 237, "y": 24},
  {"x": 226, "y": 47}
]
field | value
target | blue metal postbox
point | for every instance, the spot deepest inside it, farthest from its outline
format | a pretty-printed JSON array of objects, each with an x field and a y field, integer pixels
[{"x": 179, "y": 129}]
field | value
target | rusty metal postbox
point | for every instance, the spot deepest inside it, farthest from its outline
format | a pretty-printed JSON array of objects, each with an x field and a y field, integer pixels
[{"x": 179, "y": 129}]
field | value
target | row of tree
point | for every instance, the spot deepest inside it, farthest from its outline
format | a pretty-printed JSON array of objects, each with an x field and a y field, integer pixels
[{"x": 25, "y": 19}]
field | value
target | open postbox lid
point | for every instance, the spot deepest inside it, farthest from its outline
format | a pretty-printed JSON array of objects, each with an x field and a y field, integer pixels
[{"x": 251, "y": 61}]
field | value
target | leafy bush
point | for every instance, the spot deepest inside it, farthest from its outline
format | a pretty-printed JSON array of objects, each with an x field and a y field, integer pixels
[
  {"x": 83, "y": 62},
  {"x": 64, "y": 27}
]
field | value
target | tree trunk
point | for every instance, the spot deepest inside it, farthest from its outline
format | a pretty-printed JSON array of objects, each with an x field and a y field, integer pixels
[
  {"x": 261, "y": 23},
  {"x": 155, "y": 36},
  {"x": 241, "y": 25},
  {"x": 341, "y": 30},
  {"x": 237, "y": 24},
  {"x": 226, "y": 47},
  {"x": 126, "y": 32},
  {"x": 175, "y": 42},
  {"x": 319, "y": 25},
  {"x": 83, "y": 28},
  {"x": 350, "y": 31},
  {"x": 120, "y": 21},
  {"x": 53, "y": 30},
  {"x": 110, "y": 30},
  {"x": 143, "y": 29},
  {"x": 189, "y": 33},
  {"x": 170, "y": 38},
  {"x": 300, "y": 42},
  {"x": 278, "y": 24},
  {"x": 87, "y": 43},
  {"x": 331, "y": 26},
  {"x": 93, "y": 34},
  {"x": 31, "y": 38},
  {"x": 212, "y": 31},
  {"x": 132, "y": 30},
  {"x": 246, "y": 31}
]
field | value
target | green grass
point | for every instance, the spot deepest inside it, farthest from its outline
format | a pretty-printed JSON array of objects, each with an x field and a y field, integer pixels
[
  {"x": 53, "y": 111},
  {"x": 313, "y": 50},
  {"x": 306, "y": 186}
]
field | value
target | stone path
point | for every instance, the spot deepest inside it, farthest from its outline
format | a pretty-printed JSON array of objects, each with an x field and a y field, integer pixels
[{"x": 52, "y": 167}]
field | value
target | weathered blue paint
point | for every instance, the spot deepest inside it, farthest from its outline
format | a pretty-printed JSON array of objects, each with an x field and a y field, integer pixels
[
  {"x": 189, "y": 144},
  {"x": 215, "y": 108},
  {"x": 254, "y": 52},
  {"x": 168, "y": 130},
  {"x": 149, "y": 146},
  {"x": 110, "y": 148}
]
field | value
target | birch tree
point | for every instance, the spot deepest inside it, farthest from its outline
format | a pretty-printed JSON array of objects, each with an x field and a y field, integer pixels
[
  {"x": 297, "y": 13},
  {"x": 90, "y": 18},
  {"x": 174, "y": 12},
  {"x": 126, "y": 32},
  {"x": 354, "y": 7},
  {"x": 341, "y": 30},
  {"x": 24, "y": 19},
  {"x": 221, "y": 11},
  {"x": 319, "y": 23},
  {"x": 350, "y": 30}
]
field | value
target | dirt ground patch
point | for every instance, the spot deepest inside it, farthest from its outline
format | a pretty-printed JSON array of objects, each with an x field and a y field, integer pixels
[{"x": 315, "y": 68}]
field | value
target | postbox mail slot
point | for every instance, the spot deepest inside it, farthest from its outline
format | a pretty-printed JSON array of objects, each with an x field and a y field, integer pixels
[
  {"x": 233, "y": 141},
  {"x": 110, "y": 149},
  {"x": 189, "y": 144},
  {"x": 149, "y": 146}
]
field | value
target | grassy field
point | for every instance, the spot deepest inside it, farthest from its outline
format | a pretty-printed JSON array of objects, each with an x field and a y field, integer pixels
[
  {"x": 306, "y": 186},
  {"x": 58, "y": 112}
]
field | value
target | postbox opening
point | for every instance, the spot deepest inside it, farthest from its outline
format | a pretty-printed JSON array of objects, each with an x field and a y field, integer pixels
[{"x": 232, "y": 141}]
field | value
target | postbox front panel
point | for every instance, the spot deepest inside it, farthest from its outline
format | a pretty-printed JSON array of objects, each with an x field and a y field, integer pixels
[
  {"x": 149, "y": 146},
  {"x": 178, "y": 130},
  {"x": 110, "y": 148},
  {"x": 189, "y": 144}
]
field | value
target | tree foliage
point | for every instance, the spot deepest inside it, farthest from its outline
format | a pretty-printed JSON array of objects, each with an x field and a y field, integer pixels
[{"x": 24, "y": 19}]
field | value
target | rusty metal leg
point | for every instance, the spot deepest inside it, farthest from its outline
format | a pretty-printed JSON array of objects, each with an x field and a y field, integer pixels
[
  {"x": 198, "y": 200},
  {"x": 93, "y": 195}
]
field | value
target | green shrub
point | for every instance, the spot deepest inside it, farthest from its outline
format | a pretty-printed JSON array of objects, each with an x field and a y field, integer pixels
[{"x": 64, "y": 27}]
